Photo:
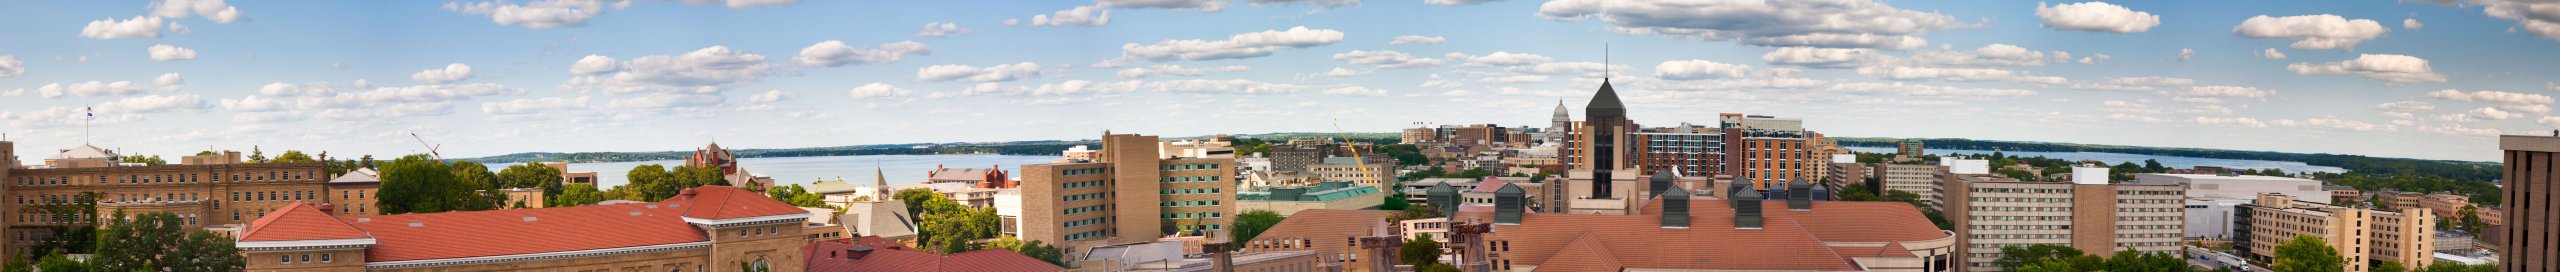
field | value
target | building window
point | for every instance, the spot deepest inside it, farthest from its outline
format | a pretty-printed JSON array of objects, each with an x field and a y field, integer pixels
[
  {"x": 324, "y": 257},
  {"x": 286, "y": 259},
  {"x": 306, "y": 258}
]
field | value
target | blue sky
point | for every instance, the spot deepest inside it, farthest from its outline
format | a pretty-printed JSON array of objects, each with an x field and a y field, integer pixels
[{"x": 2422, "y": 79}]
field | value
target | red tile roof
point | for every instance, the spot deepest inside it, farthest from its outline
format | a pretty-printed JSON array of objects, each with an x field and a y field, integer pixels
[
  {"x": 299, "y": 221},
  {"x": 1789, "y": 240},
  {"x": 835, "y": 255},
  {"x": 724, "y": 202},
  {"x": 508, "y": 232},
  {"x": 1490, "y": 185}
]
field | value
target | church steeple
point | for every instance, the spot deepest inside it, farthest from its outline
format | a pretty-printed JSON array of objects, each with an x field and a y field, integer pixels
[{"x": 879, "y": 183}]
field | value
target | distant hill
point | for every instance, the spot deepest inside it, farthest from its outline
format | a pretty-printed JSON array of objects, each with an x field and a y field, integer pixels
[
  {"x": 2457, "y": 170},
  {"x": 1032, "y": 148}
]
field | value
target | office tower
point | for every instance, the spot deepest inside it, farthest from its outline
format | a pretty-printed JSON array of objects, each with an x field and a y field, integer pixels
[{"x": 2530, "y": 216}]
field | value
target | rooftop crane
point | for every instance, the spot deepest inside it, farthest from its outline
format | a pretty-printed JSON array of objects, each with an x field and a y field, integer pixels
[{"x": 431, "y": 148}]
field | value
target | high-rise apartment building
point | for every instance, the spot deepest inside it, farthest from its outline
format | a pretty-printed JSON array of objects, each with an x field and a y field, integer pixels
[
  {"x": 2530, "y": 214},
  {"x": 209, "y": 191},
  {"x": 1990, "y": 212},
  {"x": 1126, "y": 194},
  {"x": 1910, "y": 147},
  {"x": 1915, "y": 178},
  {"x": 1766, "y": 150},
  {"x": 2364, "y": 238},
  {"x": 1692, "y": 150}
]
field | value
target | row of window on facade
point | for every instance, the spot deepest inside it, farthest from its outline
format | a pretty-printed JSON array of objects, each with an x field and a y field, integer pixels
[{"x": 170, "y": 178}]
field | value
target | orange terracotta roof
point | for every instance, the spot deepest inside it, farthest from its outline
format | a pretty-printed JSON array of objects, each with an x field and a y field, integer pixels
[
  {"x": 836, "y": 255},
  {"x": 1583, "y": 254},
  {"x": 524, "y": 231},
  {"x": 299, "y": 221},
  {"x": 724, "y": 202},
  {"x": 1833, "y": 221},
  {"x": 1789, "y": 240},
  {"x": 1325, "y": 230}
]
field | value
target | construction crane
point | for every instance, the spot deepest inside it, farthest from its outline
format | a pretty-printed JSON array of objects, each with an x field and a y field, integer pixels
[
  {"x": 1361, "y": 165},
  {"x": 431, "y": 148}
]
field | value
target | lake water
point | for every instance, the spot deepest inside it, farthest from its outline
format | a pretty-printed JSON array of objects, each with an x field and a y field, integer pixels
[
  {"x": 856, "y": 169},
  {"x": 2113, "y": 158}
]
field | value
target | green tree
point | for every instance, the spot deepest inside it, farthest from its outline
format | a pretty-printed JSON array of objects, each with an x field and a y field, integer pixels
[
  {"x": 1419, "y": 252},
  {"x": 1251, "y": 224},
  {"x": 1439, "y": 267},
  {"x": 2307, "y": 254},
  {"x": 533, "y": 175},
  {"x": 1394, "y": 202},
  {"x": 145, "y": 160},
  {"x": 2018, "y": 257},
  {"x": 419, "y": 184},
  {"x": 2391, "y": 266},
  {"x": 797, "y": 196},
  {"x": 203, "y": 251},
  {"x": 475, "y": 177},
  {"x": 257, "y": 155},
  {"x": 949, "y": 225},
  {"x": 79, "y": 236},
  {"x": 2153, "y": 166},
  {"x": 1033, "y": 249},
  {"x": 916, "y": 199},
  {"x": 294, "y": 156},
  {"x": 160, "y": 241},
  {"x": 61, "y": 263}
]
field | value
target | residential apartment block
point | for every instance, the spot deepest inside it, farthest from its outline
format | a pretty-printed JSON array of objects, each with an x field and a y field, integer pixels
[
  {"x": 2364, "y": 238},
  {"x": 1915, "y": 178},
  {"x": 1690, "y": 150},
  {"x": 1768, "y": 150},
  {"x": 1126, "y": 194},
  {"x": 1990, "y": 212}
]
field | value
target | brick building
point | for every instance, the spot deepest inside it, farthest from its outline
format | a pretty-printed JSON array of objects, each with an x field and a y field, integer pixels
[
  {"x": 1126, "y": 194},
  {"x": 209, "y": 191}
]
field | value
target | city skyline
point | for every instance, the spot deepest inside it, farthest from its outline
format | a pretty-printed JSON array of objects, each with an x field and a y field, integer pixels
[{"x": 2419, "y": 79}]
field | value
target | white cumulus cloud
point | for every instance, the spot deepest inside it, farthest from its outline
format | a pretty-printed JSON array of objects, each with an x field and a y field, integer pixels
[
  {"x": 703, "y": 71},
  {"x": 2096, "y": 16},
  {"x": 1077, "y": 16},
  {"x": 163, "y": 52},
  {"x": 450, "y": 73},
  {"x": 214, "y": 10},
  {"x": 1177, "y": 70},
  {"x": 939, "y": 29},
  {"x": 1000, "y": 72},
  {"x": 834, "y": 53},
  {"x": 2398, "y": 69},
  {"x": 539, "y": 13},
  {"x": 1246, "y": 45},
  {"x": 2271, "y": 53},
  {"x": 1813, "y": 23},
  {"x": 1699, "y": 69},
  {"x": 144, "y": 27},
  {"x": 1416, "y": 39},
  {"x": 2312, "y": 32},
  {"x": 1385, "y": 59}
]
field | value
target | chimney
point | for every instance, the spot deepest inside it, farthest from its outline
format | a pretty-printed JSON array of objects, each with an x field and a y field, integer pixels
[
  {"x": 326, "y": 208},
  {"x": 1508, "y": 203},
  {"x": 1799, "y": 196},
  {"x": 1442, "y": 198},
  {"x": 686, "y": 192},
  {"x": 1733, "y": 193},
  {"x": 857, "y": 252},
  {"x": 1675, "y": 208},
  {"x": 1746, "y": 210}
]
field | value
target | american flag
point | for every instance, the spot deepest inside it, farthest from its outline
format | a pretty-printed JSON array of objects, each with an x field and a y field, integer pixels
[{"x": 93, "y": 111}]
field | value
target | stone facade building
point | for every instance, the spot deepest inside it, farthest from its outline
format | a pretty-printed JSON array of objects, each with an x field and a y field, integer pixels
[{"x": 2364, "y": 238}]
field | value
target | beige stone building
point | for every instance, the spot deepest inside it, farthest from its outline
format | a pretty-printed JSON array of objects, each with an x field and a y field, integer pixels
[
  {"x": 1914, "y": 178},
  {"x": 1990, "y": 212},
  {"x": 1127, "y": 193},
  {"x": 214, "y": 190},
  {"x": 355, "y": 193},
  {"x": 710, "y": 228},
  {"x": 2363, "y": 237}
]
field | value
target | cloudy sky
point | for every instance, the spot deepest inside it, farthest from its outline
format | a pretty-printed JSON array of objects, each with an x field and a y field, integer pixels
[{"x": 2422, "y": 79}]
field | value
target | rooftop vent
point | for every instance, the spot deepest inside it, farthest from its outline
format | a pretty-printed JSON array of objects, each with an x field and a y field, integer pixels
[
  {"x": 364, "y": 220},
  {"x": 653, "y": 206},
  {"x": 1675, "y": 208},
  {"x": 528, "y": 219},
  {"x": 635, "y": 213},
  {"x": 1800, "y": 195},
  {"x": 1746, "y": 210},
  {"x": 417, "y": 224}
]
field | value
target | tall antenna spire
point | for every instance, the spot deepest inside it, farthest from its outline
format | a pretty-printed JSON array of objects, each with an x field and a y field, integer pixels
[{"x": 1604, "y": 62}]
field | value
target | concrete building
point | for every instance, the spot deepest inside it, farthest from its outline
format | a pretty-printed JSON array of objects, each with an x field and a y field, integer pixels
[
  {"x": 218, "y": 189},
  {"x": 1083, "y": 204},
  {"x": 710, "y": 228},
  {"x": 1174, "y": 256},
  {"x": 2213, "y": 200},
  {"x": 2444, "y": 204},
  {"x": 1296, "y": 155},
  {"x": 1334, "y": 236},
  {"x": 1990, "y": 212},
  {"x": 1287, "y": 200},
  {"x": 567, "y": 177},
  {"x": 1374, "y": 171},
  {"x": 1915, "y": 178},
  {"x": 2526, "y": 239},
  {"x": 2363, "y": 238},
  {"x": 1846, "y": 170}
]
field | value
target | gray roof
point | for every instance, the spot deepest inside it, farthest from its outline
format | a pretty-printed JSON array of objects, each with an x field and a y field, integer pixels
[
  {"x": 85, "y": 152},
  {"x": 830, "y": 186},
  {"x": 360, "y": 175}
]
